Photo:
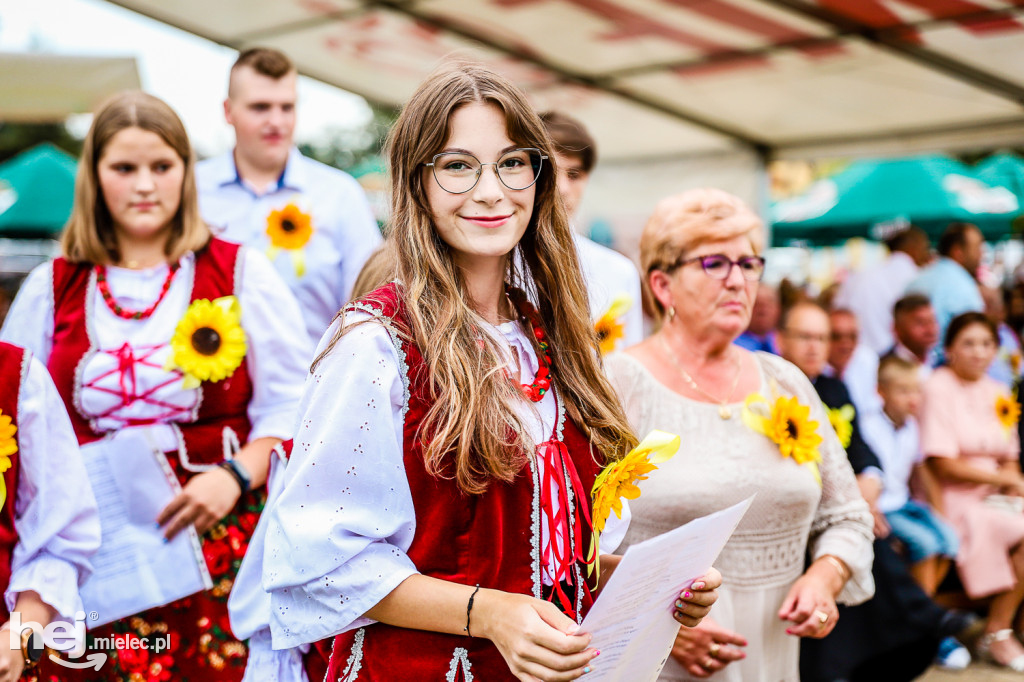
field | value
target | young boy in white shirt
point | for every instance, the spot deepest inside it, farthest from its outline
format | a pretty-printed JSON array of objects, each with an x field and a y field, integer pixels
[{"x": 892, "y": 433}]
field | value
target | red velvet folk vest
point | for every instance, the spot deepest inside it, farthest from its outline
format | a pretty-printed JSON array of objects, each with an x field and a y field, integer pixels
[
  {"x": 223, "y": 404},
  {"x": 491, "y": 539},
  {"x": 13, "y": 368}
]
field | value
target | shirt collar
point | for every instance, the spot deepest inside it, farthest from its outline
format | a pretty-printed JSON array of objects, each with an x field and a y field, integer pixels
[
  {"x": 892, "y": 424},
  {"x": 294, "y": 175},
  {"x": 221, "y": 169},
  {"x": 225, "y": 172}
]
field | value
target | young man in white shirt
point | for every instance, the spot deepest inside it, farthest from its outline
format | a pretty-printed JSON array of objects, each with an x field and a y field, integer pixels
[
  {"x": 872, "y": 292},
  {"x": 613, "y": 282},
  {"x": 313, "y": 221}
]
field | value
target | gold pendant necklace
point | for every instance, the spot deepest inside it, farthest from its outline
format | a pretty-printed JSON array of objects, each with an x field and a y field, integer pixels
[{"x": 723, "y": 405}]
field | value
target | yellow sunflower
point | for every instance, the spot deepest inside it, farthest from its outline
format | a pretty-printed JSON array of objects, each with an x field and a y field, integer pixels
[
  {"x": 786, "y": 422},
  {"x": 841, "y": 419},
  {"x": 209, "y": 342},
  {"x": 1008, "y": 411},
  {"x": 8, "y": 446},
  {"x": 609, "y": 328},
  {"x": 619, "y": 479},
  {"x": 289, "y": 227}
]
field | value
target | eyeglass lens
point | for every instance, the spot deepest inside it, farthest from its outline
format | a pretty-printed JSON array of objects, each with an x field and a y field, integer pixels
[
  {"x": 458, "y": 173},
  {"x": 719, "y": 266}
]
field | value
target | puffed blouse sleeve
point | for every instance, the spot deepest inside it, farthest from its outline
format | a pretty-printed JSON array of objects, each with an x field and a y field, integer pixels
[
  {"x": 56, "y": 517},
  {"x": 279, "y": 352},
  {"x": 842, "y": 525},
  {"x": 29, "y": 322},
  {"x": 338, "y": 534}
]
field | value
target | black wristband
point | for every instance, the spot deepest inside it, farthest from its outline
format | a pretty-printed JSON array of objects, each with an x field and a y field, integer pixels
[
  {"x": 469, "y": 607},
  {"x": 237, "y": 473}
]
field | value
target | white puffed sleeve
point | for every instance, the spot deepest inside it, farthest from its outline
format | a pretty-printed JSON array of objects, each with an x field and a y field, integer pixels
[
  {"x": 279, "y": 351},
  {"x": 338, "y": 534},
  {"x": 56, "y": 517},
  {"x": 29, "y": 322}
]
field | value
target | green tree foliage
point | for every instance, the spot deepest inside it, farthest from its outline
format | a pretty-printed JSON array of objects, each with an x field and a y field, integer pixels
[
  {"x": 17, "y": 137},
  {"x": 347, "y": 148}
]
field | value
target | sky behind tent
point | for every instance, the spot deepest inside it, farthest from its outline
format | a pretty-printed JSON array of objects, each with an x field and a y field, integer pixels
[{"x": 190, "y": 73}]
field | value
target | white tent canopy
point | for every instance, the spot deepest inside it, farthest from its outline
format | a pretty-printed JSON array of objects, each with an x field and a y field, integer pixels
[
  {"x": 671, "y": 78},
  {"x": 47, "y": 88}
]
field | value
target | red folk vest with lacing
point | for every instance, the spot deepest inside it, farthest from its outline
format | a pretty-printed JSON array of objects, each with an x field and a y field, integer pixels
[
  {"x": 492, "y": 540},
  {"x": 13, "y": 367},
  {"x": 223, "y": 404}
]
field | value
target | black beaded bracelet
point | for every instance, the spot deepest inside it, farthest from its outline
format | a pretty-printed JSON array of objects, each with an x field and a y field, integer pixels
[
  {"x": 232, "y": 468},
  {"x": 469, "y": 607}
]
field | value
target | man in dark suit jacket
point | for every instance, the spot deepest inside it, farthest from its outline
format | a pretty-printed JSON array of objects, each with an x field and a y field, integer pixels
[{"x": 896, "y": 635}]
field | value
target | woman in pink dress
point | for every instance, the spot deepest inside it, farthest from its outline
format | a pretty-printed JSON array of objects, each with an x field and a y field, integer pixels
[{"x": 969, "y": 435}]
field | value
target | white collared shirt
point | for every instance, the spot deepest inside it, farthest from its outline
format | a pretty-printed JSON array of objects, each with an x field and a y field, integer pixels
[
  {"x": 608, "y": 275},
  {"x": 898, "y": 449},
  {"x": 871, "y": 295},
  {"x": 345, "y": 232}
]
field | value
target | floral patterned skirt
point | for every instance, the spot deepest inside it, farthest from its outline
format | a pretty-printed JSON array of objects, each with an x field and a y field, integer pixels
[{"x": 193, "y": 634}]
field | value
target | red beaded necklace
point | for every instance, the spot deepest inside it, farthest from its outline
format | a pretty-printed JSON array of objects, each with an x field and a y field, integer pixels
[
  {"x": 528, "y": 315},
  {"x": 108, "y": 298}
]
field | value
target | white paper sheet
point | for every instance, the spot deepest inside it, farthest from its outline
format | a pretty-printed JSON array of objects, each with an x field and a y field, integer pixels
[
  {"x": 631, "y": 621},
  {"x": 135, "y": 569}
]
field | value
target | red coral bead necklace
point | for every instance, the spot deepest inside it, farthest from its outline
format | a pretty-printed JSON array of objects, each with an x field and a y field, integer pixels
[
  {"x": 530, "y": 318},
  {"x": 120, "y": 311}
]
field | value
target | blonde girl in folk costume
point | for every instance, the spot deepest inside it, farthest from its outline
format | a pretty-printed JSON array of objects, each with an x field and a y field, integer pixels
[
  {"x": 436, "y": 512},
  {"x": 155, "y": 333}
]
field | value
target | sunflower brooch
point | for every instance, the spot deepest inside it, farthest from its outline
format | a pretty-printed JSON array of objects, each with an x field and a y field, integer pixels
[
  {"x": 609, "y": 326},
  {"x": 290, "y": 229},
  {"x": 209, "y": 342},
  {"x": 1008, "y": 412},
  {"x": 787, "y": 424},
  {"x": 841, "y": 419},
  {"x": 8, "y": 446},
  {"x": 619, "y": 480}
]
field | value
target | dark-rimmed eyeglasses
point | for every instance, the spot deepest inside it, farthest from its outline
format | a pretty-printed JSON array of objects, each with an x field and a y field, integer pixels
[
  {"x": 459, "y": 172},
  {"x": 719, "y": 266}
]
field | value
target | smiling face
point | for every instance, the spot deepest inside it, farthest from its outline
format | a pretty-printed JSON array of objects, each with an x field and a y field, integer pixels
[
  {"x": 140, "y": 178},
  {"x": 483, "y": 225}
]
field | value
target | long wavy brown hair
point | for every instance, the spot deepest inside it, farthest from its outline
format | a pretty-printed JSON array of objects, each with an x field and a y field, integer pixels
[{"x": 472, "y": 431}]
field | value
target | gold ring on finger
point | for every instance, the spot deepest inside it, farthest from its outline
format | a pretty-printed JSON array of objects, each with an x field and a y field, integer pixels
[
  {"x": 822, "y": 617},
  {"x": 714, "y": 649},
  {"x": 707, "y": 663}
]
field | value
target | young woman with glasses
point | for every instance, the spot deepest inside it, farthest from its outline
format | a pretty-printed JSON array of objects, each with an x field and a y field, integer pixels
[
  {"x": 435, "y": 515},
  {"x": 700, "y": 252}
]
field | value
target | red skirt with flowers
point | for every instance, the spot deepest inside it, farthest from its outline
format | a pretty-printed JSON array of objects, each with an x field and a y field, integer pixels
[{"x": 195, "y": 629}]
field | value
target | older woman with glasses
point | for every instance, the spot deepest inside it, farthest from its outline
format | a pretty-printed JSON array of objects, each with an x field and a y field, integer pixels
[{"x": 751, "y": 424}]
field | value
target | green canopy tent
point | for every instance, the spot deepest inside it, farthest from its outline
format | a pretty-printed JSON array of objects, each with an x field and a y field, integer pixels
[
  {"x": 36, "y": 191},
  {"x": 868, "y": 196},
  {"x": 1004, "y": 169}
]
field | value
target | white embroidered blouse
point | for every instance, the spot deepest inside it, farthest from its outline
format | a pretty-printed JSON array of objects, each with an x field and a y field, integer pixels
[
  {"x": 56, "y": 518},
  {"x": 126, "y": 380}
]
